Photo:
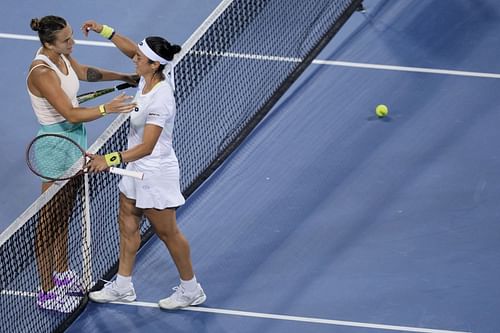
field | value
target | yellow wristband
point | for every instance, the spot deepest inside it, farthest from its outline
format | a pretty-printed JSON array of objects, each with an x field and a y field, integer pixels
[
  {"x": 107, "y": 31},
  {"x": 114, "y": 158},
  {"x": 102, "y": 110}
]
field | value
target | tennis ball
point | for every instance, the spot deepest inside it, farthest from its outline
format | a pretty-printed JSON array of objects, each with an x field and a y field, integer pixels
[{"x": 381, "y": 110}]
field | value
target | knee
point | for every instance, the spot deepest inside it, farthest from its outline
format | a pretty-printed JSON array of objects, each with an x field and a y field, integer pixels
[
  {"x": 167, "y": 234},
  {"x": 129, "y": 228},
  {"x": 174, "y": 236}
]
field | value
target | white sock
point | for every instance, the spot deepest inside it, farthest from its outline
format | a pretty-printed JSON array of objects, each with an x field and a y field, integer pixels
[
  {"x": 123, "y": 282},
  {"x": 190, "y": 286}
]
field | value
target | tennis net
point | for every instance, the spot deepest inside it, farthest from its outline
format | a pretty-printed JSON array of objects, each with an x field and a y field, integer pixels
[{"x": 230, "y": 73}]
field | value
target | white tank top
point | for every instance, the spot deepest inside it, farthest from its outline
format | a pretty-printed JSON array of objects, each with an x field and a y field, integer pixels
[{"x": 44, "y": 111}]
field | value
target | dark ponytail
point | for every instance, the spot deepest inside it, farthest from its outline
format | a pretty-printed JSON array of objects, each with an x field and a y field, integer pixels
[{"x": 47, "y": 27}]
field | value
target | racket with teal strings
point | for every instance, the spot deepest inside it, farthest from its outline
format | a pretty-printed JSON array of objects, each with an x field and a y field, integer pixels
[{"x": 57, "y": 157}]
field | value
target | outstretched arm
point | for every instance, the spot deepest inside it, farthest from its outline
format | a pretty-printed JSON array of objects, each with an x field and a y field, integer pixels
[
  {"x": 44, "y": 82},
  {"x": 124, "y": 44},
  {"x": 94, "y": 74}
]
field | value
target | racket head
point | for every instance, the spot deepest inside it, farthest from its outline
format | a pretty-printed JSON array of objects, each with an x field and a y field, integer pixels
[{"x": 55, "y": 157}]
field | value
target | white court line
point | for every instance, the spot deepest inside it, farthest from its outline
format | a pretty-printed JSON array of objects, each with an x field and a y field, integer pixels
[
  {"x": 407, "y": 69},
  {"x": 245, "y": 56},
  {"x": 352, "y": 64},
  {"x": 311, "y": 320},
  {"x": 35, "y": 38},
  {"x": 299, "y": 319},
  {"x": 287, "y": 59},
  {"x": 18, "y": 293}
]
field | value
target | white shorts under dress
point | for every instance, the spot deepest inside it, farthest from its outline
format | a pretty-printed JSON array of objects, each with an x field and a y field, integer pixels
[{"x": 159, "y": 189}]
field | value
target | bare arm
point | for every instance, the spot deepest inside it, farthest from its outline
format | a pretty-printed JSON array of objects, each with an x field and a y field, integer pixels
[
  {"x": 44, "y": 82},
  {"x": 124, "y": 44},
  {"x": 149, "y": 140},
  {"x": 94, "y": 74}
]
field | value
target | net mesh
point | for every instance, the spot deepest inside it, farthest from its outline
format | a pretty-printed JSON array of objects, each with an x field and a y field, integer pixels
[
  {"x": 230, "y": 78},
  {"x": 237, "y": 67}
]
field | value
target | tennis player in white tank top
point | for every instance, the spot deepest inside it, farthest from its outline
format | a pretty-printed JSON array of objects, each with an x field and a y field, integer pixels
[
  {"x": 52, "y": 84},
  {"x": 44, "y": 111},
  {"x": 150, "y": 151}
]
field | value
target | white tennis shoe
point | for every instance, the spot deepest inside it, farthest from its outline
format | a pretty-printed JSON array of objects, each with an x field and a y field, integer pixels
[
  {"x": 181, "y": 299},
  {"x": 111, "y": 293},
  {"x": 68, "y": 283},
  {"x": 51, "y": 300}
]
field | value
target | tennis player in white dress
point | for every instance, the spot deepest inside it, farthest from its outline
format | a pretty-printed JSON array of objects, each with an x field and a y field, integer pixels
[{"x": 150, "y": 151}]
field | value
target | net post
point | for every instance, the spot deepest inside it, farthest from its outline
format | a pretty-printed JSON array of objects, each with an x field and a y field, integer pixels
[{"x": 87, "y": 236}]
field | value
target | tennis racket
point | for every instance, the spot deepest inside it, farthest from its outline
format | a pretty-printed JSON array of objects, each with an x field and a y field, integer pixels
[
  {"x": 57, "y": 157},
  {"x": 94, "y": 94}
]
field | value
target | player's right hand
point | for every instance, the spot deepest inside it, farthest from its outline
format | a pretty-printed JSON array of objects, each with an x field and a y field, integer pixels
[{"x": 120, "y": 104}]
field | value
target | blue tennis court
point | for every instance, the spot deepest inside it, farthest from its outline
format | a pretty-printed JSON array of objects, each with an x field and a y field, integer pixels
[{"x": 327, "y": 218}]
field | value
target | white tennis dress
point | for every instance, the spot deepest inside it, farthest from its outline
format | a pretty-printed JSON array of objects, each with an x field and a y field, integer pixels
[{"x": 160, "y": 187}]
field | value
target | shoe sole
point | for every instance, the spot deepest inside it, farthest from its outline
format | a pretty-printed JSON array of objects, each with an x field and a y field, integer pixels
[
  {"x": 197, "y": 301},
  {"x": 65, "y": 308},
  {"x": 128, "y": 299}
]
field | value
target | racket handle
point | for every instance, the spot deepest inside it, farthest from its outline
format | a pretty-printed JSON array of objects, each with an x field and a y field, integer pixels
[
  {"x": 123, "y": 86},
  {"x": 127, "y": 173}
]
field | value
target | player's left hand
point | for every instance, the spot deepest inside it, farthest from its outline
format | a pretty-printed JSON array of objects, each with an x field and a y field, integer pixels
[
  {"x": 132, "y": 79},
  {"x": 91, "y": 25}
]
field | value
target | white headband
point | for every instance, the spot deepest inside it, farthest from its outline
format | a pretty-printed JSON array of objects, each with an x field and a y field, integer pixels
[
  {"x": 168, "y": 71},
  {"x": 144, "y": 47}
]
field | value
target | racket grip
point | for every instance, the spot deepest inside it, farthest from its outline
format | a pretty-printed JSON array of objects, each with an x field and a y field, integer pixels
[
  {"x": 127, "y": 173},
  {"x": 123, "y": 86}
]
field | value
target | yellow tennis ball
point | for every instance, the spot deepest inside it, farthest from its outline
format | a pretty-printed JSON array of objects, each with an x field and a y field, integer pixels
[{"x": 381, "y": 110}]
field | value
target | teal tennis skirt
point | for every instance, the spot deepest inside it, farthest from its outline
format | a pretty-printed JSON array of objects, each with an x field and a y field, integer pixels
[{"x": 45, "y": 160}]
